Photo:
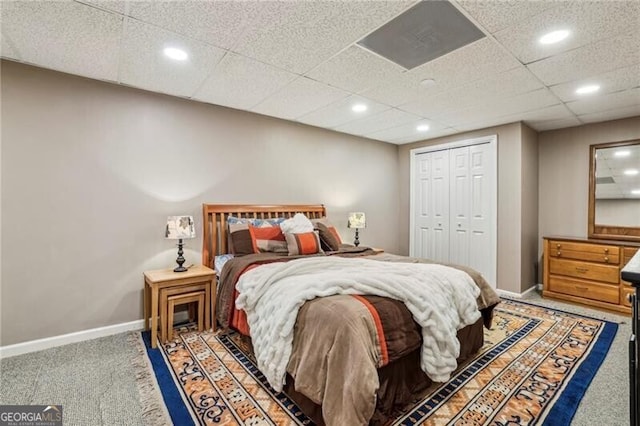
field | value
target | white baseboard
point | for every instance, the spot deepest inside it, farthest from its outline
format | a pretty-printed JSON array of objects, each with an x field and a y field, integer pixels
[
  {"x": 516, "y": 295},
  {"x": 78, "y": 336},
  {"x": 65, "y": 339}
]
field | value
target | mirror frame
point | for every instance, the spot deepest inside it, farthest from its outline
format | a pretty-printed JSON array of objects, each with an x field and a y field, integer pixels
[{"x": 610, "y": 232}]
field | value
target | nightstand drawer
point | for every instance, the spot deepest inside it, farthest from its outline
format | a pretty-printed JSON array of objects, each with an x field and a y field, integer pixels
[
  {"x": 586, "y": 289},
  {"x": 591, "y": 271}
]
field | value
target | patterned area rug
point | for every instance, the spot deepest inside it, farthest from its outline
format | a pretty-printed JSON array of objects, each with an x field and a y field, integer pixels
[{"x": 534, "y": 368}]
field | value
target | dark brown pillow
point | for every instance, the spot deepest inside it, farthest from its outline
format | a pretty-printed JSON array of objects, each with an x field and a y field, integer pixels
[
  {"x": 328, "y": 237},
  {"x": 241, "y": 243}
]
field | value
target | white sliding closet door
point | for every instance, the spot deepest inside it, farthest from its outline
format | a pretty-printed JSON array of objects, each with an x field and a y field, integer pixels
[
  {"x": 454, "y": 207},
  {"x": 423, "y": 214},
  {"x": 460, "y": 206},
  {"x": 431, "y": 231},
  {"x": 439, "y": 203},
  {"x": 482, "y": 211}
]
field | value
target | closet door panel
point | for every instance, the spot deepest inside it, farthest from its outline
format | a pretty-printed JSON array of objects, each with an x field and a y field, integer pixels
[
  {"x": 439, "y": 202},
  {"x": 459, "y": 206},
  {"x": 423, "y": 216},
  {"x": 481, "y": 170}
]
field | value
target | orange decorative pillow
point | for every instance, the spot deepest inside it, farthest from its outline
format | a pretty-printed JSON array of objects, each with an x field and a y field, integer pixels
[
  {"x": 267, "y": 239},
  {"x": 305, "y": 243}
]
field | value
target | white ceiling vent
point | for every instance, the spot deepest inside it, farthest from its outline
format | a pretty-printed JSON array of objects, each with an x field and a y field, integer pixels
[{"x": 427, "y": 31}]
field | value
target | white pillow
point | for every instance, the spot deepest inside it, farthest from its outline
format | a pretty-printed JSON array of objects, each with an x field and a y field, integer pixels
[{"x": 298, "y": 224}]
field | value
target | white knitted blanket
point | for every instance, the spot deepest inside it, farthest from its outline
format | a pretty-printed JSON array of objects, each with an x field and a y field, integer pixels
[{"x": 441, "y": 299}]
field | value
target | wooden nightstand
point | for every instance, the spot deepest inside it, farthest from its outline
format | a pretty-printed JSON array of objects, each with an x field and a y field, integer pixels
[{"x": 166, "y": 278}]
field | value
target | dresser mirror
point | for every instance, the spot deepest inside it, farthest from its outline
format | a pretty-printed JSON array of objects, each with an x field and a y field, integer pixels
[{"x": 614, "y": 191}]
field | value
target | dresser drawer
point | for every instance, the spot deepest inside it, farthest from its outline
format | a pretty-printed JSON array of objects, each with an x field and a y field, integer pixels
[
  {"x": 590, "y": 271},
  {"x": 627, "y": 254},
  {"x": 624, "y": 295},
  {"x": 586, "y": 289},
  {"x": 613, "y": 259},
  {"x": 585, "y": 251}
]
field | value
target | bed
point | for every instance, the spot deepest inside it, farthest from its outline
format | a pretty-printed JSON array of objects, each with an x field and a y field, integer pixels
[{"x": 353, "y": 357}]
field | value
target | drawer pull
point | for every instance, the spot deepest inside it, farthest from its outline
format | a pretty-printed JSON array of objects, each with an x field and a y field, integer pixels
[
  {"x": 582, "y": 270},
  {"x": 558, "y": 253},
  {"x": 606, "y": 250},
  {"x": 606, "y": 259},
  {"x": 582, "y": 288},
  {"x": 558, "y": 246}
]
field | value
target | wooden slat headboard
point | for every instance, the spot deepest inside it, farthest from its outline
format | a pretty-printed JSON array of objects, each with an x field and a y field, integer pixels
[{"x": 214, "y": 222}]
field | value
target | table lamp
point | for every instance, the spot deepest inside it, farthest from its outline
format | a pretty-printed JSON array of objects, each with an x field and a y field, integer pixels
[
  {"x": 357, "y": 220},
  {"x": 179, "y": 228}
]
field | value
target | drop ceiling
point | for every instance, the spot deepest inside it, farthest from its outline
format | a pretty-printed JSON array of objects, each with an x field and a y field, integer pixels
[{"x": 301, "y": 61}]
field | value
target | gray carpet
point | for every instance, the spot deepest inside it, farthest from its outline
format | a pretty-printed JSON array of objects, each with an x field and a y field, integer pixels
[{"x": 95, "y": 381}]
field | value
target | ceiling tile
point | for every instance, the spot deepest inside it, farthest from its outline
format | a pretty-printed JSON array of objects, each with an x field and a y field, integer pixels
[
  {"x": 556, "y": 124},
  {"x": 599, "y": 103},
  {"x": 240, "y": 82},
  {"x": 112, "y": 5},
  {"x": 459, "y": 67},
  {"x": 436, "y": 133},
  {"x": 68, "y": 36},
  {"x": 384, "y": 120},
  {"x": 539, "y": 116},
  {"x": 597, "y": 58},
  {"x": 613, "y": 81},
  {"x": 308, "y": 33},
  {"x": 495, "y": 86},
  {"x": 399, "y": 90},
  {"x": 588, "y": 22},
  {"x": 407, "y": 131},
  {"x": 492, "y": 109},
  {"x": 340, "y": 112},
  {"x": 7, "y": 50},
  {"x": 355, "y": 70},
  {"x": 495, "y": 15},
  {"x": 220, "y": 23},
  {"x": 299, "y": 98},
  {"x": 144, "y": 64},
  {"x": 612, "y": 114}
]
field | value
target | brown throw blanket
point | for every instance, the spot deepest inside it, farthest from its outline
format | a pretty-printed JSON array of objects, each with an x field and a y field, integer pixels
[{"x": 340, "y": 341}]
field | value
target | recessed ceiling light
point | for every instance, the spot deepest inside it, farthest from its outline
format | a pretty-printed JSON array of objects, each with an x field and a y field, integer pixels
[
  {"x": 175, "y": 53},
  {"x": 359, "y": 108},
  {"x": 428, "y": 82},
  {"x": 422, "y": 127},
  {"x": 623, "y": 153},
  {"x": 631, "y": 172},
  {"x": 554, "y": 37},
  {"x": 585, "y": 90},
  {"x": 635, "y": 191}
]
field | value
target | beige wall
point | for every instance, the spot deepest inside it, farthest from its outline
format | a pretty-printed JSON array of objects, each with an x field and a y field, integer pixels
[
  {"x": 529, "y": 194},
  {"x": 564, "y": 174},
  {"x": 510, "y": 187},
  {"x": 90, "y": 171}
]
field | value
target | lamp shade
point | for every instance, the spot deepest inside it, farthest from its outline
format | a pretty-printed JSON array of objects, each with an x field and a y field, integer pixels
[
  {"x": 179, "y": 227},
  {"x": 357, "y": 220}
]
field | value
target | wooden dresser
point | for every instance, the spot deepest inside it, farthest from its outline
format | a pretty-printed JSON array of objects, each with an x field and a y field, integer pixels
[{"x": 587, "y": 271}]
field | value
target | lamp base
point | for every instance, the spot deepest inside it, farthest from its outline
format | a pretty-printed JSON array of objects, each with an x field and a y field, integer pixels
[
  {"x": 356, "y": 242},
  {"x": 180, "y": 259}
]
